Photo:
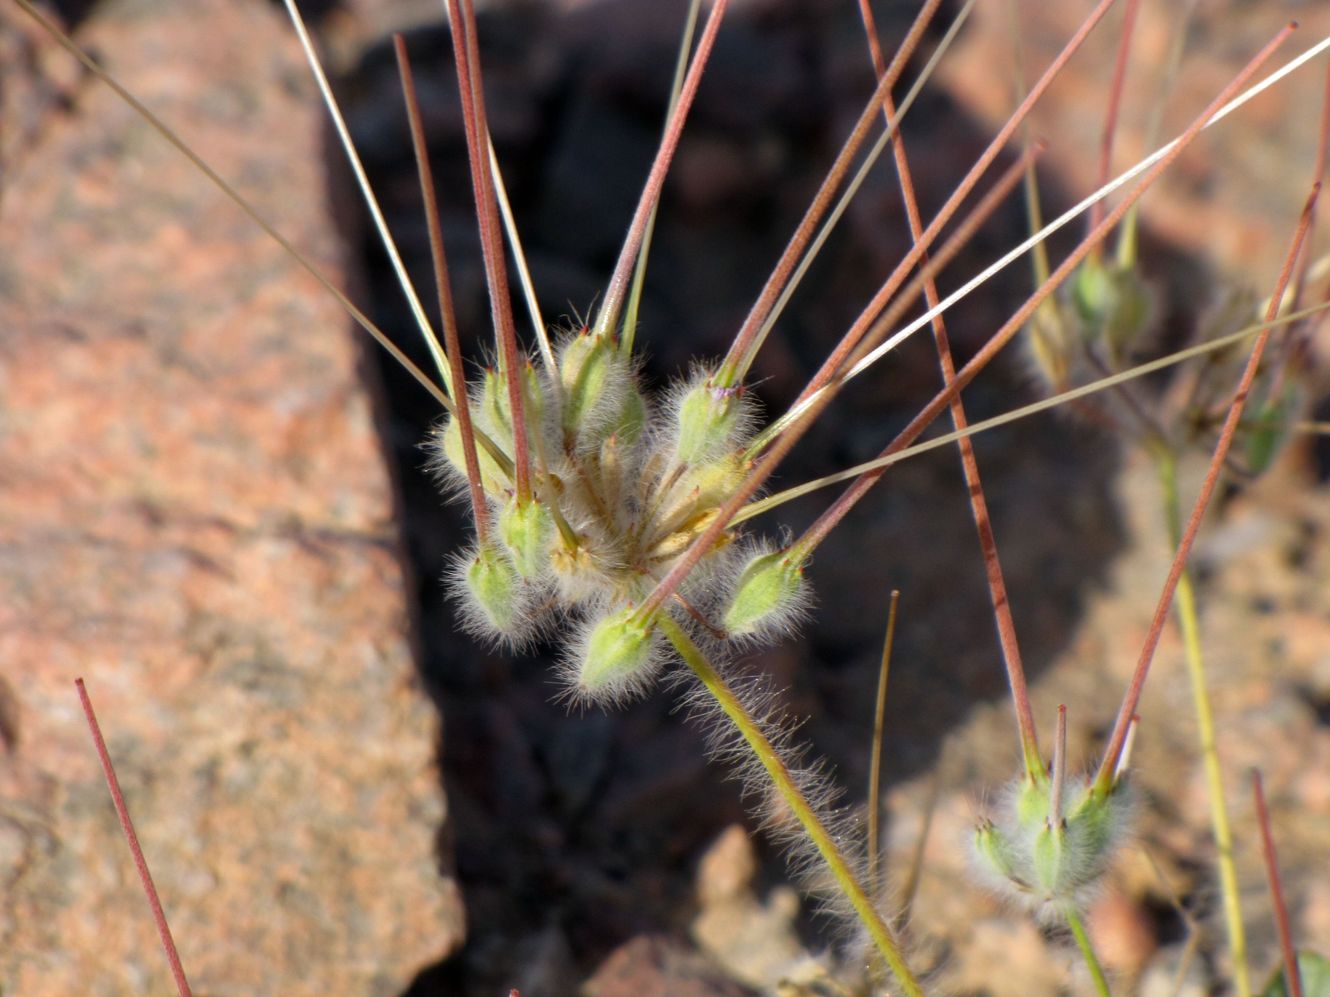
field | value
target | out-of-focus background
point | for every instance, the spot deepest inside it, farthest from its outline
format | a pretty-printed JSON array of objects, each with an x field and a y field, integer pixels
[{"x": 212, "y": 507}]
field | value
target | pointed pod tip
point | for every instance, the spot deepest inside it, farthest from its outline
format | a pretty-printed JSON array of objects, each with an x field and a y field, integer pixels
[{"x": 618, "y": 655}]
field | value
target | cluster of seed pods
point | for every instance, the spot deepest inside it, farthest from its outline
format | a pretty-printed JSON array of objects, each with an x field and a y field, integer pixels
[{"x": 621, "y": 487}]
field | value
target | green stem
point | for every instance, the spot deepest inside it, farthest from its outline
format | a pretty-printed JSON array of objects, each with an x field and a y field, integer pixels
[
  {"x": 1087, "y": 950},
  {"x": 766, "y": 753},
  {"x": 1188, "y": 623}
]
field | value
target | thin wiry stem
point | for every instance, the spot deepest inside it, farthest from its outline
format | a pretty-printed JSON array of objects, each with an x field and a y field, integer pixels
[
  {"x": 1292, "y": 977},
  {"x": 824, "y": 524},
  {"x": 631, "y": 308},
  {"x": 515, "y": 241},
  {"x": 519, "y": 260},
  {"x": 371, "y": 202},
  {"x": 766, "y": 753},
  {"x": 127, "y": 827},
  {"x": 1148, "y": 163},
  {"x": 894, "y": 122},
  {"x": 997, "y": 586},
  {"x": 1058, "y": 779},
  {"x": 1114, "y": 105},
  {"x": 905, "y": 300},
  {"x": 957, "y": 240},
  {"x": 447, "y": 313},
  {"x": 742, "y": 350},
  {"x": 1104, "y": 778},
  {"x": 1033, "y": 214},
  {"x": 814, "y": 406},
  {"x": 1087, "y": 951},
  {"x": 936, "y": 263},
  {"x": 879, "y": 728},
  {"x": 1297, "y": 344},
  {"x": 832, "y": 365},
  {"x": 467, "y": 55},
  {"x": 1172, "y": 65},
  {"x": 608, "y": 316},
  {"x": 1067, "y": 397}
]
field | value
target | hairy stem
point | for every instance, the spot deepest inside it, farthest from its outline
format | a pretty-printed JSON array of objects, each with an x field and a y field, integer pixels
[
  {"x": 1087, "y": 951},
  {"x": 765, "y": 752}
]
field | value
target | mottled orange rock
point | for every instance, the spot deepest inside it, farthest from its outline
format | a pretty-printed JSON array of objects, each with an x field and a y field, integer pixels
[{"x": 195, "y": 516}]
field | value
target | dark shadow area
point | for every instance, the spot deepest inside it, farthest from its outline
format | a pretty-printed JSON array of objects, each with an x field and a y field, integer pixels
[{"x": 574, "y": 833}]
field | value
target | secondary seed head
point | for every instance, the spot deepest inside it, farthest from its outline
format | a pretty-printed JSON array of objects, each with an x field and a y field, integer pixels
[{"x": 1048, "y": 860}]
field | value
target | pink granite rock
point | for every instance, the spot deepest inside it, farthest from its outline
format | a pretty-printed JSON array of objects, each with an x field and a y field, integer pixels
[{"x": 195, "y": 516}]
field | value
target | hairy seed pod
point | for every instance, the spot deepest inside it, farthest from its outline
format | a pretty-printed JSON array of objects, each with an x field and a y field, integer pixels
[
  {"x": 494, "y": 586},
  {"x": 1048, "y": 860},
  {"x": 1115, "y": 307},
  {"x": 448, "y": 442},
  {"x": 594, "y": 377},
  {"x": 709, "y": 422},
  {"x": 527, "y": 529},
  {"x": 1051, "y": 345},
  {"x": 618, "y": 655},
  {"x": 770, "y": 591}
]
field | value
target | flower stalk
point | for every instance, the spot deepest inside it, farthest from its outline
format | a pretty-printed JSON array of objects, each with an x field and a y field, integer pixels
[{"x": 770, "y": 758}]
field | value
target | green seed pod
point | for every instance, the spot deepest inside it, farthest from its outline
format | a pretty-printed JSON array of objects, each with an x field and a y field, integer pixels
[
  {"x": 697, "y": 493},
  {"x": 618, "y": 656},
  {"x": 593, "y": 375},
  {"x": 710, "y": 421},
  {"x": 993, "y": 849},
  {"x": 491, "y": 414},
  {"x": 495, "y": 591},
  {"x": 769, "y": 595},
  {"x": 448, "y": 443},
  {"x": 1050, "y": 858},
  {"x": 1115, "y": 306},
  {"x": 495, "y": 413},
  {"x": 1032, "y": 802},
  {"x": 1268, "y": 430},
  {"x": 527, "y": 529},
  {"x": 1095, "y": 824},
  {"x": 632, "y": 417}
]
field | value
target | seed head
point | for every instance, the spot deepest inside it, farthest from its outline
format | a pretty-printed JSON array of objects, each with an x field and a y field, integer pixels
[
  {"x": 620, "y": 490},
  {"x": 1049, "y": 860}
]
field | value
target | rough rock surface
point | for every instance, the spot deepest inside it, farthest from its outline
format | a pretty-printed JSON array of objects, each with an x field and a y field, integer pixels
[{"x": 195, "y": 516}]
